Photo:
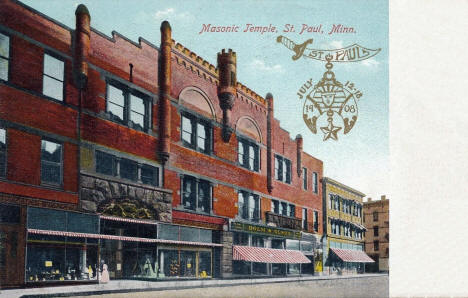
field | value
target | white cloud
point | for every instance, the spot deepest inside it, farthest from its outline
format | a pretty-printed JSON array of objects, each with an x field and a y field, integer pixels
[
  {"x": 261, "y": 66},
  {"x": 171, "y": 14},
  {"x": 372, "y": 63}
]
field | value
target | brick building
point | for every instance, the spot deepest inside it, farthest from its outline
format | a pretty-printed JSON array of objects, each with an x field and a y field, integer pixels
[
  {"x": 146, "y": 159},
  {"x": 343, "y": 244},
  {"x": 376, "y": 220}
]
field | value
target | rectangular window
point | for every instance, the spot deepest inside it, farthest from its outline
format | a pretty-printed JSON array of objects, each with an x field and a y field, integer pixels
[
  {"x": 376, "y": 231},
  {"x": 53, "y": 77},
  {"x": 149, "y": 175},
  {"x": 248, "y": 155},
  {"x": 315, "y": 182},
  {"x": 282, "y": 169},
  {"x": 4, "y": 56},
  {"x": 316, "y": 221},
  {"x": 51, "y": 162},
  {"x": 284, "y": 208},
  {"x": 292, "y": 210},
  {"x": 376, "y": 245},
  {"x": 375, "y": 216},
  {"x": 249, "y": 206},
  {"x": 3, "y": 151},
  {"x": 196, "y": 133},
  {"x": 127, "y": 106},
  {"x": 105, "y": 163},
  {"x": 275, "y": 206},
  {"x": 196, "y": 194},
  {"x": 304, "y": 178},
  {"x": 304, "y": 218},
  {"x": 128, "y": 169}
]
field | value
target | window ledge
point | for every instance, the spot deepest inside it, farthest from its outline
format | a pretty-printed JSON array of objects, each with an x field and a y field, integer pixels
[{"x": 182, "y": 208}]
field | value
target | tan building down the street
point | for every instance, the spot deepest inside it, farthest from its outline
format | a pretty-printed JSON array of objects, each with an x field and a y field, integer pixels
[{"x": 376, "y": 220}]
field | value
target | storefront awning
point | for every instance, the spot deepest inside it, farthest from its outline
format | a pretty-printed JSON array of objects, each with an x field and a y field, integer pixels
[
  {"x": 120, "y": 238},
  {"x": 267, "y": 255},
  {"x": 132, "y": 220},
  {"x": 348, "y": 255}
]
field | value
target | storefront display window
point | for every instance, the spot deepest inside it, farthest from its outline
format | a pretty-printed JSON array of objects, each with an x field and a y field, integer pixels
[
  {"x": 241, "y": 239},
  {"x": 259, "y": 268},
  {"x": 292, "y": 244},
  {"x": 184, "y": 263},
  {"x": 53, "y": 258},
  {"x": 294, "y": 268},
  {"x": 241, "y": 267}
]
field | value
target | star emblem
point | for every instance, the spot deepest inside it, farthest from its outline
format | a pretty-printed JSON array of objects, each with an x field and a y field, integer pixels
[{"x": 330, "y": 131}]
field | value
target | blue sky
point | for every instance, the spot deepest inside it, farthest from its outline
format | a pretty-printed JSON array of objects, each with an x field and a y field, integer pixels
[{"x": 359, "y": 159}]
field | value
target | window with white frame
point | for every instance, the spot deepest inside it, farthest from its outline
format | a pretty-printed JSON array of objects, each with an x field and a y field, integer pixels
[
  {"x": 282, "y": 169},
  {"x": 275, "y": 206},
  {"x": 248, "y": 206},
  {"x": 127, "y": 106},
  {"x": 248, "y": 154},
  {"x": 316, "y": 221},
  {"x": 53, "y": 77},
  {"x": 196, "y": 194},
  {"x": 51, "y": 162},
  {"x": 315, "y": 182},
  {"x": 4, "y": 56},
  {"x": 3, "y": 151},
  {"x": 196, "y": 133}
]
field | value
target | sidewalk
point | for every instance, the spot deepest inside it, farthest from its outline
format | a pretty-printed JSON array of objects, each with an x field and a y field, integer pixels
[{"x": 123, "y": 286}]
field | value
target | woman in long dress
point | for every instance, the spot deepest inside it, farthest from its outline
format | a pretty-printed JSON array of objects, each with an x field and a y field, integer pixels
[{"x": 104, "y": 274}]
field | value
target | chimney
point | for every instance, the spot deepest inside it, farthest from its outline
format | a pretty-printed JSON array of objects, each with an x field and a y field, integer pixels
[
  {"x": 82, "y": 43},
  {"x": 269, "y": 98},
  {"x": 299, "y": 142},
  {"x": 165, "y": 90},
  {"x": 227, "y": 91},
  {"x": 369, "y": 199},
  {"x": 383, "y": 198}
]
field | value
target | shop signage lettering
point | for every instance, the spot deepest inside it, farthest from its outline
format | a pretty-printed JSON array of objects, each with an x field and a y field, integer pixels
[{"x": 265, "y": 230}]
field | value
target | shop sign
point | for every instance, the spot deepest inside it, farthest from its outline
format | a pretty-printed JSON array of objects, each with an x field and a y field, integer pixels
[{"x": 270, "y": 231}]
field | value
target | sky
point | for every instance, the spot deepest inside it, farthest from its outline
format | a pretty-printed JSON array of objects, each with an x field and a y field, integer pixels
[{"x": 359, "y": 159}]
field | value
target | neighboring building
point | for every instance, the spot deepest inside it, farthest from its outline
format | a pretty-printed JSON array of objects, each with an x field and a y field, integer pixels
[
  {"x": 376, "y": 220},
  {"x": 148, "y": 159},
  {"x": 343, "y": 244}
]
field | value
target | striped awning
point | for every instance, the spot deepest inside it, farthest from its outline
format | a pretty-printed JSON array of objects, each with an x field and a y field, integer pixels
[
  {"x": 132, "y": 220},
  {"x": 120, "y": 238},
  {"x": 356, "y": 256},
  {"x": 267, "y": 255}
]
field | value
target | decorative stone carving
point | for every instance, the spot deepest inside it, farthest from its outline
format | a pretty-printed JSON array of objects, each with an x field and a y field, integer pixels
[{"x": 124, "y": 200}]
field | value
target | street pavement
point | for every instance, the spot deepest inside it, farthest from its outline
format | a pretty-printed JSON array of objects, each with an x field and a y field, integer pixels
[{"x": 372, "y": 287}]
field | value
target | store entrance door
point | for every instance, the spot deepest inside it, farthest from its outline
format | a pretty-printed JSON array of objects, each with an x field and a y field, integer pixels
[{"x": 11, "y": 256}]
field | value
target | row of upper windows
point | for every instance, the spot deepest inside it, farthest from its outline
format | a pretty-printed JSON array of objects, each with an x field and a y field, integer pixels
[
  {"x": 336, "y": 202},
  {"x": 130, "y": 107},
  {"x": 345, "y": 229}
]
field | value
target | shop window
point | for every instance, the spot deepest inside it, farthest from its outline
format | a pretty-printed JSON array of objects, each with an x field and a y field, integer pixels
[
  {"x": 315, "y": 182},
  {"x": 282, "y": 169},
  {"x": 248, "y": 155},
  {"x": 316, "y": 221},
  {"x": 304, "y": 178},
  {"x": 128, "y": 169},
  {"x": 3, "y": 150},
  {"x": 53, "y": 77},
  {"x": 375, "y": 215},
  {"x": 196, "y": 133},
  {"x": 168, "y": 232},
  {"x": 181, "y": 233},
  {"x": 128, "y": 107},
  {"x": 258, "y": 241},
  {"x": 196, "y": 194},
  {"x": 241, "y": 267},
  {"x": 249, "y": 206},
  {"x": 292, "y": 244},
  {"x": 241, "y": 239},
  {"x": 294, "y": 269},
  {"x": 184, "y": 263},
  {"x": 277, "y": 243},
  {"x": 307, "y": 246},
  {"x": 61, "y": 259},
  {"x": 4, "y": 56},
  {"x": 376, "y": 245},
  {"x": 259, "y": 268},
  {"x": 51, "y": 162},
  {"x": 9, "y": 214},
  {"x": 376, "y": 231},
  {"x": 291, "y": 210},
  {"x": 304, "y": 219}
]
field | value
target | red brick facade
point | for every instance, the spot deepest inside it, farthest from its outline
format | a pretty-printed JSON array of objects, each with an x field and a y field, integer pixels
[{"x": 173, "y": 80}]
